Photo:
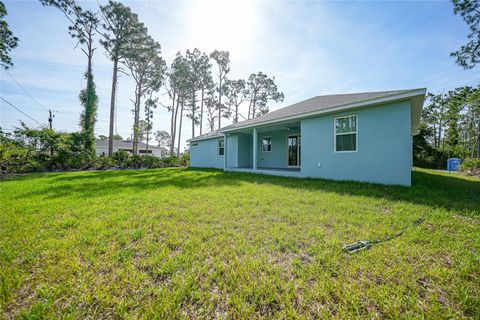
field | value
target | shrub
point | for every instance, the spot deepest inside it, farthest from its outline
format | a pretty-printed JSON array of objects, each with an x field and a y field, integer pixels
[
  {"x": 185, "y": 159},
  {"x": 66, "y": 159},
  {"x": 121, "y": 157},
  {"x": 43, "y": 149},
  {"x": 152, "y": 162},
  {"x": 172, "y": 161},
  {"x": 134, "y": 162},
  {"x": 105, "y": 163},
  {"x": 15, "y": 156},
  {"x": 471, "y": 166}
]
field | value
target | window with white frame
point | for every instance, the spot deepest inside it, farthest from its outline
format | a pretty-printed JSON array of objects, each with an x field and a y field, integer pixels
[
  {"x": 267, "y": 144},
  {"x": 346, "y": 134},
  {"x": 221, "y": 147}
]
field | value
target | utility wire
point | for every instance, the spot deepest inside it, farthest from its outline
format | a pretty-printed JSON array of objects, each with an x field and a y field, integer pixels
[
  {"x": 26, "y": 115},
  {"x": 25, "y": 90},
  {"x": 97, "y": 119}
]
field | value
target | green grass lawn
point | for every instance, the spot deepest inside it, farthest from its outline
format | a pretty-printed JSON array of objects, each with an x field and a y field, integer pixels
[{"x": 179, "y": 243}]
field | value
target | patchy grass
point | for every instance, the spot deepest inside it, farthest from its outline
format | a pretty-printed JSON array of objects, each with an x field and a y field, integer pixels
[{"x": 178, "y": 243}]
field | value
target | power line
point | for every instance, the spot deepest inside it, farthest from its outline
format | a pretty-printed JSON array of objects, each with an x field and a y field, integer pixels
[
  {"x": 51, "y": 116},
  {"x": 16, "y": 108},
  {"x": 97, "y": 118},
  {"x": 25, "y": 90}
]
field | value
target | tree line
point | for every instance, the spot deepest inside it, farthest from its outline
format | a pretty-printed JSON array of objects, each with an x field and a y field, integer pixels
[
  {"x": 199, "y": 89},
  {"x": 450, "y": 123},
  {"x": 197, "y": 83},
  {"x": 450, "y": 127}
]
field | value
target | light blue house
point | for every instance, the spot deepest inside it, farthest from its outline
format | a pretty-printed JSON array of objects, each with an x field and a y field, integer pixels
[{"x": 358, "y": 136}]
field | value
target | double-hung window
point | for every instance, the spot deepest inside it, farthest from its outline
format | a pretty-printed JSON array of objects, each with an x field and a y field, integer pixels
[
  {"x": 346, "y": 134},
  {"x": 221, "y": 147},
  {"x": 267, "y": 144}
]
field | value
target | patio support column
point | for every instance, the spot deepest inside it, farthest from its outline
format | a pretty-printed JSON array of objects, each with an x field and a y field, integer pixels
[
  {"x": 254, "y": 149},
  {"x": 225, "y": 151}
]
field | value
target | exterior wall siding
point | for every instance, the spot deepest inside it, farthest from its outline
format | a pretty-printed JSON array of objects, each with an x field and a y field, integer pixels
[
  {"x": 277, "y": 157},
  {"x": 232, "y": 151},
  {"x": 384, "y": 150},
  {"x": 245, "y": 156},
  {"x": 205, "y": 154}
]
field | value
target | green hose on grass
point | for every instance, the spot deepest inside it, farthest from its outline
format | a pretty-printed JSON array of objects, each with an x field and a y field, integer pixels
[{"x": 367, "y": 244}]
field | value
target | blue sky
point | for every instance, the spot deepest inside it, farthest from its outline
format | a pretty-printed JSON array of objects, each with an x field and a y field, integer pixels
[{"x": 311, "y": 48}]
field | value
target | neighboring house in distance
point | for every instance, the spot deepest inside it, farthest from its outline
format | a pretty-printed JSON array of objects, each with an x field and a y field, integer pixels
[
  {"x": 356, "y": 136},
  {"x": 101, "y": 147}
]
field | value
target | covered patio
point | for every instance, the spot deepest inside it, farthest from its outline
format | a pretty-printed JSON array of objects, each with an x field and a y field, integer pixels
[{"x": 273, "y": 149}]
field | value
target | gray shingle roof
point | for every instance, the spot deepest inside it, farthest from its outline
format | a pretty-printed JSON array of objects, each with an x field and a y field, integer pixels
[
  {"x": 312, "y": 105},
  {"x": 123, "y": 144},
  {"x": 316, "y": 104},
  {"x": 209, "y": 135}
]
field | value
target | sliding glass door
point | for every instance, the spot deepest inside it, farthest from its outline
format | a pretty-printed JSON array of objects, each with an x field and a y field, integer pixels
[{"x": 293, "y": 150}]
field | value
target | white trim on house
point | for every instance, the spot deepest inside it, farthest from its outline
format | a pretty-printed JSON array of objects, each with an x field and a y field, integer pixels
[
  {"x": 299, "y": 162},
  {"x": 335, "y": 133},
  {"x": 223, "y": 147},
  {"x": 254, "y": 146},
  {"x": 270, "y": 144},
  {"x": 366, "y": 103},
  {"x": 225, "y": 139}
]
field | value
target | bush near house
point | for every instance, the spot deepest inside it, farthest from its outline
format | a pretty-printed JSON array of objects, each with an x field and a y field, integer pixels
[{"x": 33, "y": 150}]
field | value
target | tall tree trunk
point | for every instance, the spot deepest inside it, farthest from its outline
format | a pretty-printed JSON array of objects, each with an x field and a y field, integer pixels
[
  {"x": 175, "y": 122},
  {"x": 193, "y": 112},
  {"x": 440, "y": 123},
  {"x": 201, "y": 112},
  {"x": 220, "y": 102},
  {"x": 254, "y": 107},
  {"x": 180, "y": 129},
  {"x": 112, "y": 106},
  {"x": 89, "y": 144},
  {"x": 136, "y": 119},
  {"x": 172, "y": 125},
  {"x": 148, "y": 131},
  {"x": 439, "y": 133},
  {"x": 478, "y": 141}
]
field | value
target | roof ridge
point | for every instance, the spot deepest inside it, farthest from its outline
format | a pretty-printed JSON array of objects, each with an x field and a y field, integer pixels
[{"x": 366, "y": 92}]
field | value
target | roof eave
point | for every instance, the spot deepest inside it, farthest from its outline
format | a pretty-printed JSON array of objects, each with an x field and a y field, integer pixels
[
  {"x": 204, "y": 138},
  {"x": 416, "y": 112}
]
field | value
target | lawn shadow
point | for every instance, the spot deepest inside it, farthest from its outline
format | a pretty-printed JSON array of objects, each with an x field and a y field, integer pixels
[
  {"x": 93, "y": 184},
  {"x": 433, "y": 190},
  {"x": 429, "y": 189}
]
